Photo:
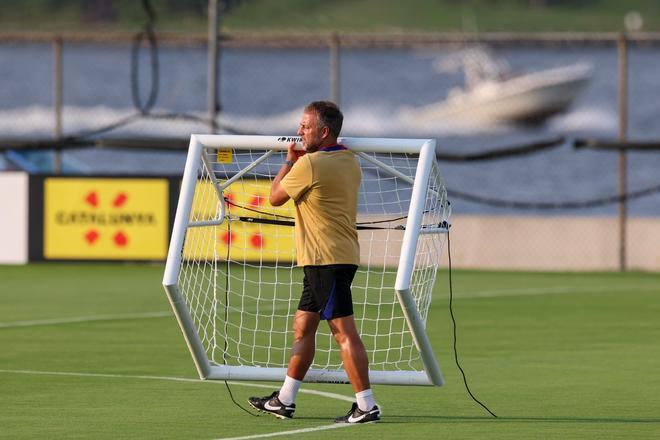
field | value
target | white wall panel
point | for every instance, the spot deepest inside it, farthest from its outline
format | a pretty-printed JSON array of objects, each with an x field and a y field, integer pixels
[{"x": 13, "y": 217}]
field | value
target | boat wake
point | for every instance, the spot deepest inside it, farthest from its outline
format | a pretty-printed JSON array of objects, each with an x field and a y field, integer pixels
[{"x": 374, "y": 121}]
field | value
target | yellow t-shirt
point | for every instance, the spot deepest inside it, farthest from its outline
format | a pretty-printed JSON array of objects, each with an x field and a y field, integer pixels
[{"x": 324, "y": 186}]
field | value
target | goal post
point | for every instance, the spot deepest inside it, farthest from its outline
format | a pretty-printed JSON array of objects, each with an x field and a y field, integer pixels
[{"x": 231, "y": 275}]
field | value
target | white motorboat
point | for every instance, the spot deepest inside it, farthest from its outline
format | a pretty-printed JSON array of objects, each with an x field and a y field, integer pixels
[{"x": 493, "y": 94}]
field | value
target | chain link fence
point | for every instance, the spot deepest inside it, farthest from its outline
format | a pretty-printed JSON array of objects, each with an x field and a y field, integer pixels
[{"x": 522, "y": 195}]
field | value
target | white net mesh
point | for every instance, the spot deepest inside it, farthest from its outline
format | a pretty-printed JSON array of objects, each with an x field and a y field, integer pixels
[{"x": 239, "y": 278}]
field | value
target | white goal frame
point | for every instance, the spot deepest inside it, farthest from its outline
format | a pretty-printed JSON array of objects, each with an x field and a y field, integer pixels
[{"x": 414, "y": 227}]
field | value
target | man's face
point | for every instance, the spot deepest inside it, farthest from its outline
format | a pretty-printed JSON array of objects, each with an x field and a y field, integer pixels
[{"x": 309, "y": 131}]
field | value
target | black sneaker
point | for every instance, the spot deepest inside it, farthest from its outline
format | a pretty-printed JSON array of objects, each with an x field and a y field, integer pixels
[
  {"x": 356, "y": 415},
  {"x": 272, "y": 405}
]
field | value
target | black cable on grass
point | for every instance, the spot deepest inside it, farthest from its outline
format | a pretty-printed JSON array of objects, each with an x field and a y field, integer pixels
[
  {"x": 453, "y": 320},
  {"x": 224, "y": 352},
  {"x": 451, "y": 311},
  {"x": 238, "y": 404}
]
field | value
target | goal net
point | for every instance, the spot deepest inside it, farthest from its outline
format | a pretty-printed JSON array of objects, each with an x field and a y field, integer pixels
[{"x": 231, "y": 273}]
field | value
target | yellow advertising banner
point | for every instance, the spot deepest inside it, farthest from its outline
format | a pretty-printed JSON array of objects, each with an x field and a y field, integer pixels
[
  {"x": 105, "y": 219},
  {"x": 245, "y": 240}
]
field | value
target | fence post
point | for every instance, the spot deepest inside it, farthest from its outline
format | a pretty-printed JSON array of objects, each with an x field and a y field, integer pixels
[
  {"x": 623, "y": 125},
  {"x": 57, "y": 101},
  {"x": 335, "y": 84},
  {"x": 213, "y": 104}
]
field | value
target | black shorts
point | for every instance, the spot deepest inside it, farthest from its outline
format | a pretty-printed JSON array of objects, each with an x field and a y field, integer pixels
[{"x": 327, "y": 290}]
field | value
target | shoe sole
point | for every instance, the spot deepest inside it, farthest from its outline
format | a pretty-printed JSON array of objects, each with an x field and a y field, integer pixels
[{"x": 279, "y": 416}]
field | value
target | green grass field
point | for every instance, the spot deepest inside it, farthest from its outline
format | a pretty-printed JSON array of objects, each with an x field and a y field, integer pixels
[
  {"x": 93, "y": 351},
  {"x": 318, "y": 15}
]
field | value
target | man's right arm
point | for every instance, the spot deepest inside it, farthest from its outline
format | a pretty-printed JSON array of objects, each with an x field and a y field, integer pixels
[{"x": 278, "y": 195}]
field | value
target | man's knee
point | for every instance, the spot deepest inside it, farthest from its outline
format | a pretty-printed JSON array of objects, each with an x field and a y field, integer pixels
[
  {"x": 302, "y": 335},
  {"x": 347, "y": 339},
  {"x": 345, "y": 332}
]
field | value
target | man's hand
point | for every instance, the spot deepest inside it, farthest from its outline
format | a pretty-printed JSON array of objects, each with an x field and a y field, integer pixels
[{"x": 292, "y": 154}]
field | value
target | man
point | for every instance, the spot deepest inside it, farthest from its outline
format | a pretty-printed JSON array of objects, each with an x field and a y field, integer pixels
[{"x": 323, "y": 182}]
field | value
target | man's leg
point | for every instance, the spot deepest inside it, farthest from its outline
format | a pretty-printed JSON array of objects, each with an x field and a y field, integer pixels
[
  {"x": 356, "y": 364},
  {"x": 352, "y": 351},
  {"x": 305, "y": 325},
  {"x": 282, "y": 403}
]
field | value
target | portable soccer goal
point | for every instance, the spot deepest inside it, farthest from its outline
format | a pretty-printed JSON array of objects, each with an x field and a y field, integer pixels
[{"x": 231, "y": 274}]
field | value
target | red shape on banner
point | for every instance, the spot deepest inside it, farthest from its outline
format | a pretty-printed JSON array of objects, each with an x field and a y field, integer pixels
[
  {"x": 91, "y": 236},
  {"x": 119, "y": 200},
  {"x": 257, "y": 201},
  {"x": 227, "y": 238},
  {"x": 120, "y": 239},
  {"x": 257, "y": 241},
  {"x": 229, "y": 198},
  {"x": 92, "y": 199}
]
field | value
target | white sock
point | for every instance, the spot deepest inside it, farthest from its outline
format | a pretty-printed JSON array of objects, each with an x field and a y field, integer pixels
[
  {"x": 289, "y": 390},
  {"x": 365, "y": 400}
]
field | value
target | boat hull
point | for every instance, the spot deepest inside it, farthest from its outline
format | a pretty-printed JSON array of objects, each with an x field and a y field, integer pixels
[{"x": 528, "y": 98}]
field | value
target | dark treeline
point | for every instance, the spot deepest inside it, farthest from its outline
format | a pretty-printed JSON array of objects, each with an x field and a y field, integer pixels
[
  {"x": 107, "y": 11},
  {"x": 113, "y": 11}
]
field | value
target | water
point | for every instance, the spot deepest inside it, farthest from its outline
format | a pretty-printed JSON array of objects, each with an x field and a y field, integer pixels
[{"x": 263, "y": 91}]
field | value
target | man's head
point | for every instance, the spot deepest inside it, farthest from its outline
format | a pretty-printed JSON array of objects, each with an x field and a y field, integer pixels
[{"x": 320, "y": 125}]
